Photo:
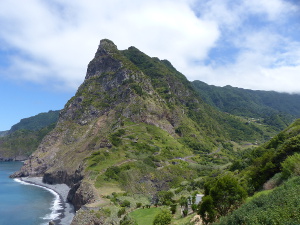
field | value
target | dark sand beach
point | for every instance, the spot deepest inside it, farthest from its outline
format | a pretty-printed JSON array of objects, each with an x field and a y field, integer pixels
[{"x": 67, "y": 212}]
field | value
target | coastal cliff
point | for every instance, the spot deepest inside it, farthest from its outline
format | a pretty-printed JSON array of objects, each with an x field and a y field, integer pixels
[{"x": 134, "y": 113}]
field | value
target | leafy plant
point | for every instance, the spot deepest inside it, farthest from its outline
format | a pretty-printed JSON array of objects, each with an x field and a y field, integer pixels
[
  {"x": 291, "y": 166},
  {"x": 222, "y": 195},
  {"x": 163, "y": 218},
  {"x": 281, "y": 206}
]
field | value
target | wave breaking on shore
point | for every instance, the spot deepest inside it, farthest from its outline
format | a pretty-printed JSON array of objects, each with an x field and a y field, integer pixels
[{"x": 61, "y": 211}]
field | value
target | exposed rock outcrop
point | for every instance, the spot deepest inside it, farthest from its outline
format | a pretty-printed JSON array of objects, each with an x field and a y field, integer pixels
[{"x": 81, "y": 193}]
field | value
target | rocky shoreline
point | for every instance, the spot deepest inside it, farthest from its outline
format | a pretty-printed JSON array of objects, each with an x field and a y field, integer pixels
[
  {"x": 67, "y": 213},
  {"x": 10, "y": 159}
]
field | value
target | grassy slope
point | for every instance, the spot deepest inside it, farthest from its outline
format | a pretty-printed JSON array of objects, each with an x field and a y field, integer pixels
[{"x": 145, "y": 216}]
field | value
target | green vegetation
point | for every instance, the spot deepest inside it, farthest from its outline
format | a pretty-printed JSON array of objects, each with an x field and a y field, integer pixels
[
  {"x": 274, "y": 109},
  {"x": 281, "y": 206},
  {"x": 141, "y": 136},
  {"x": 262, "y": 163},
  {"x": 163, "y": 218},
  {"x": 37, "y": 122},
  {"x": 145, "y": 216},
  {"x": 24, "y": 137},
  {"x": 222, "y": 195},
  {"x": 275, "y": 166},
  {"x": 291, "y": 166},
  {"x": 21, "y": 143}
]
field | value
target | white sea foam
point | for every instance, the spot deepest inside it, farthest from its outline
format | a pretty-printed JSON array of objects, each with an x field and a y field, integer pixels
[
  {"x": 56, "y": 206},
  {"x": 56, "y": 203},
  {"x": 22, "y": 182}
]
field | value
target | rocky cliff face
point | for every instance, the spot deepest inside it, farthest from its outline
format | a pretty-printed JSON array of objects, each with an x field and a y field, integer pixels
[{"x": 114, "y": 90}]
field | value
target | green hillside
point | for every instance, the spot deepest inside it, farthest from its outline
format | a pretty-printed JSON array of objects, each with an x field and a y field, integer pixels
[
  {"x": 262, "y": 163},
  {"x": 137, "y": 135},
  {"x": 270, "y": 175},
  {"x": 281, "y": 206},
  {"x": 36, "y": 122},
  {"x": 24, "y": 137},
  {"x": 273, "y": 108},
  {"x": 21, "y": 143}
]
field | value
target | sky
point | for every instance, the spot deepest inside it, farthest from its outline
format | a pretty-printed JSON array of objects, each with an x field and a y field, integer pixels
[{"x": 46, "y": 45}]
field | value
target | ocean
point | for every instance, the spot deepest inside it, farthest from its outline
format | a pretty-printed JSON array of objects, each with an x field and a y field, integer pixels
[{"x": 22, "y": 203}]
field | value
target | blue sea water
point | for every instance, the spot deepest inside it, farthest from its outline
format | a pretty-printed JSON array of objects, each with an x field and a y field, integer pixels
[{"x": 22, "y": 204}]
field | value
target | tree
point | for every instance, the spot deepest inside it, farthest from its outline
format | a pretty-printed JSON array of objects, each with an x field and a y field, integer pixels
[
  {"x": 207, "y": 210},
  {"x": 222, "y": 195},
  {"x": 194, "y": 207},
  {"x": 291, "y": 166},
  {"x": 183, "y": 202},
  {"x": 125, "y": 203},
  {"x": 194, "y": 198},
  {"x": 163, "y": 218},
  {"x": 165, "y": 197},
  {"x": 227, "y": 194},
  {"x": 173, "y": 208}
]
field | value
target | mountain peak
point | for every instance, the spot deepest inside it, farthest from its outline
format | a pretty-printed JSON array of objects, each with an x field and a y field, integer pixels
[
  {"x": 107, "y": 45},
  {"x": 105, "y": 60}
]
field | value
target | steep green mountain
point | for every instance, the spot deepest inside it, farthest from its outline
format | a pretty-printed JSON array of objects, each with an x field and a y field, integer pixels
[
  {"x": 24, "y": 137},
  {"x": 135, "y": 127},
  {"x": 19, "y": 144},
  {"x": 275, "y": 109},
  {"x": 36, "y": 122}
]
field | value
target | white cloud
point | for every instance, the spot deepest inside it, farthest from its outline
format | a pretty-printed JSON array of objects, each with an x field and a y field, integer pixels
[
  {"x": 55, "y": 40},
  {"x": 59, "y": 39},
  {"x": 273, "y": 9},
  {"x": 262, "y": 56}
]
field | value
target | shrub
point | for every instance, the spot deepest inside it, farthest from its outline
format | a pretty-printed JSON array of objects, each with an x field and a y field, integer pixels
[
  {"x": 194, "y": 207},
  {"x": 163, "y": 218},
  {"x": 291, "y": 166},
  {"x": 125, "y": 203},
  {"x": 185, "y": 212},
  {"x": 173, "y": 208},
  {"x": 128, "y": 221},
  {"x": 281, "y": 206},
  {"x": 112, "y": 173},
  {"x": 121, "y": 212},
  {"x": 165, "y": 197},
  {"x": 137, "y": 88}
]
